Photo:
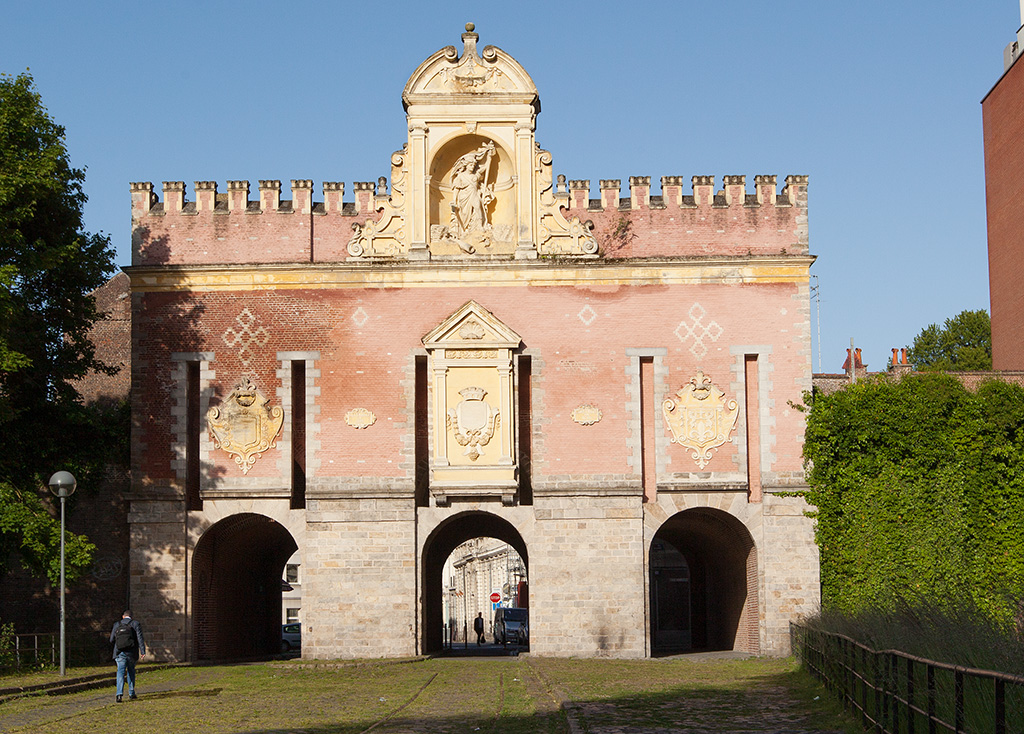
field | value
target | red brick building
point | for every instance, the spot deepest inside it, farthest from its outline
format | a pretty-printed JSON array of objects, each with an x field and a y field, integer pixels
[
  {"x": 1003, "y": 120},
  {"x": 478, "y": 349}
]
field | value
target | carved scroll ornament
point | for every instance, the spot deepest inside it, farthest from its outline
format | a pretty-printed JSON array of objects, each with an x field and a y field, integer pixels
[
  {"x": 244, "y": 426},
  {"x": 700, "y": 417}
]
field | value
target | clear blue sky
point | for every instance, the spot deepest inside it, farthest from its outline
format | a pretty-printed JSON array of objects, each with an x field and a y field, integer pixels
[{"x": 877, "y": 101}]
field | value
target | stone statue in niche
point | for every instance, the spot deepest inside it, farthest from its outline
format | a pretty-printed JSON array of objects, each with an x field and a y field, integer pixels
[{"x": 471, "y": 197}]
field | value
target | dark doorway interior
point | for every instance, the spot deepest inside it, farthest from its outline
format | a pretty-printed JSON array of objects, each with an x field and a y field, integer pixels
[
  {"x": 670, "y": 598},
  {"x": 439, "y": 546},
  {"x": 703, "y": 585},
  {"x": 237, "y": 569}
]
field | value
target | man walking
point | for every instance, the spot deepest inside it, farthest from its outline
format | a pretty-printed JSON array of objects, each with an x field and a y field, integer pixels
[
  {"x": 478, "y": 627},
  {"x": 129, "y": 647}
]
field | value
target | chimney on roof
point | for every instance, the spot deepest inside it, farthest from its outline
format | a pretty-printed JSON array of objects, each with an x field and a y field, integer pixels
[
  {"x": 900, "y": 363},
  {"x": 859, "y": 369}
]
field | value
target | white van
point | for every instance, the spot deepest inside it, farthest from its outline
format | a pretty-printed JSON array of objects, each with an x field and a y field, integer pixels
[{"x": 511, "y": 624}]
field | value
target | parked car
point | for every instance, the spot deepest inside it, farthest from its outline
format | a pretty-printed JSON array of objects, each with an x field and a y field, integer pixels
[
  {"x": 511, "y": 624},
  {"x": 291, "y": 637}
]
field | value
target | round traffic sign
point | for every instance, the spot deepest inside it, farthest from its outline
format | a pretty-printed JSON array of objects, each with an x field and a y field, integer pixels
[{"x": 495, "y": 597}]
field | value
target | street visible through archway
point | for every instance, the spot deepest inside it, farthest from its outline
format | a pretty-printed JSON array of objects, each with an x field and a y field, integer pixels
[{"x": 476, "y": 587}]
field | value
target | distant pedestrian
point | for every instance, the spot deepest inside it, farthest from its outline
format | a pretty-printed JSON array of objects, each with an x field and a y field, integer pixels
[
  {"x": 478, "y": 627},
  {"x": 129, "y": 647}
]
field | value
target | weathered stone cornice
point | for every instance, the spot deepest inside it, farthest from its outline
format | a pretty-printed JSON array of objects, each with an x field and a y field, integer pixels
[{"x": 461, "y": 273}]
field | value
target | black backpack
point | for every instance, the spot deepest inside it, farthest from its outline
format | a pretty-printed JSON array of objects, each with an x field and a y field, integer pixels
[{"x": 124, "y": 637}]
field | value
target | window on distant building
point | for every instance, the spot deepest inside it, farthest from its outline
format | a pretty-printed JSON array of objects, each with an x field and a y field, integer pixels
[
  {"x": 291, "y": 615},
  {"x": 291, "y": 573}
]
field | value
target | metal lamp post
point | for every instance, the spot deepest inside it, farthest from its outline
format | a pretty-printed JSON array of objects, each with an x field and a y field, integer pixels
[{"x": 63, "y": 485}]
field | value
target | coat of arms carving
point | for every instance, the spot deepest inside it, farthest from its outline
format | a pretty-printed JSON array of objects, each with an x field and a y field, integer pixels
[
  {"x": 473, "y": 421},
  {"x": 700, "y": 417},
  {"x": 244, "y": 426}
]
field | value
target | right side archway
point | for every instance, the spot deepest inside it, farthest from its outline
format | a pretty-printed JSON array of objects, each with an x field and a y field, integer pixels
[{"x": 703, "y": 584}]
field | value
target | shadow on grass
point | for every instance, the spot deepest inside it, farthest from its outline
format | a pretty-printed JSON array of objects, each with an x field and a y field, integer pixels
[{"x": 182, "y": 694}]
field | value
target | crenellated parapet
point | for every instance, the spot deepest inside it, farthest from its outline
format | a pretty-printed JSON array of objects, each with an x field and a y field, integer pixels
[
  {"x": 470, "y": 183},
  {"x": 698, "y": 219},
  {"x": 213, "y": 227},
  {"x": 673, "y": 195}
]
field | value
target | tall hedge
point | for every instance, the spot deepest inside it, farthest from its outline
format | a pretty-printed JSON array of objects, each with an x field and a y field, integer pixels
[{"x": 919, "y": 490}]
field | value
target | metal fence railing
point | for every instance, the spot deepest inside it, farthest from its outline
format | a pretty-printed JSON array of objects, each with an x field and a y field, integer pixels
[
  {"x": 34, "y": 650},
  {"x": 897, "y": 693}
]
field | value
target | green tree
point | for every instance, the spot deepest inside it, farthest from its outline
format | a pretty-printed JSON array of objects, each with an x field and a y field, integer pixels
[
  {"x": 963, "y": 343},
  {"x": 48, "y": 267}
]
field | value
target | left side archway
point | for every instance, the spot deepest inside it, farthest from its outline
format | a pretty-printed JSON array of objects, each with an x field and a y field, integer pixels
[
  {"x": 237, "y": 569},
  {"x": 450, "y": 534}
]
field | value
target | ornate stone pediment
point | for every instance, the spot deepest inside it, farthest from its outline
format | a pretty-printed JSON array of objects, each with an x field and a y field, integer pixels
[
  {"x": 244, "y": 426},
  {"x": 700, "y": 417},
  {"x": 472, "y": 327},
  {"x": 488, "y": 74}
]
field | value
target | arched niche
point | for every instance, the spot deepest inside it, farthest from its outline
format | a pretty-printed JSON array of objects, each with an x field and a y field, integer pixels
[{"x": 472, "y": 198}]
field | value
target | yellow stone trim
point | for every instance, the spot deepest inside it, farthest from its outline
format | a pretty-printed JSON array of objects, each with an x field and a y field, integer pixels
[{"x": 464, "y": 274}]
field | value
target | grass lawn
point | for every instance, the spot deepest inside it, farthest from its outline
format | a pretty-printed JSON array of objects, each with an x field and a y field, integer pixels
[{"x": 523, "y": 694}]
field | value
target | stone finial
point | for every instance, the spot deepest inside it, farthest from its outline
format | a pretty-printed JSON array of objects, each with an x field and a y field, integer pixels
[
  {"x": 270, "y": 195},
  {"x": 174, "y": 196},
  {"x": 469, "y": 39}
]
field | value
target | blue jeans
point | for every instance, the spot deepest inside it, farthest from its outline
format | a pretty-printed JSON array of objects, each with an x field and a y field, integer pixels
[{"x": 125, "y": 664}]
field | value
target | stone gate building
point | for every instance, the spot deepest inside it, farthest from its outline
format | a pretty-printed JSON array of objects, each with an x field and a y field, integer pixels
[{"x": 478, "y": 349}]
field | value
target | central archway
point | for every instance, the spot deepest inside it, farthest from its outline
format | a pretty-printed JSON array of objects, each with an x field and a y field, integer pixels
[
  {"x": 450, "y": 534},
  {"x": 703, "y": 584},
  {"x": 237, "y": 570}
]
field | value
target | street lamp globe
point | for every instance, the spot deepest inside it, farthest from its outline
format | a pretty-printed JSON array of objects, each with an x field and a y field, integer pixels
[{"x": 63, "y": 484}]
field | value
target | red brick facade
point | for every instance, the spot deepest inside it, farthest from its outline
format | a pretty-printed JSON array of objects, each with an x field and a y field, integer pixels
[
  {"x": 581, "y": 318},
  {"x": 1003, "y": 120}
]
